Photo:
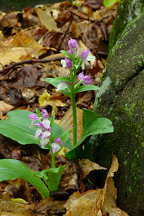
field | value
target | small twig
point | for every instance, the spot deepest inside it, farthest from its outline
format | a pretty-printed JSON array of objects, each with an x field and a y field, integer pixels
[
  {"x": 31, "y": 61},
  {"x": 81, "y": 15}
]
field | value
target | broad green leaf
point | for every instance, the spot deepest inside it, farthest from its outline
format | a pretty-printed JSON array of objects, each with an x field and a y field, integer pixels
[
  {"x": 109, "y": 3},
  {"x": 11, "y": 169},
  {"x": 93, "y": 125},
  {"x": 52, "y": 177},
  {"x": 87, "y": 88},
  {"x": 19, "y": 127},
  {"x": 56, "y": 81}
]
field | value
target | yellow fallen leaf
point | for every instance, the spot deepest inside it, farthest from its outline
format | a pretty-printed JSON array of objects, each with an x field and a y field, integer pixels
[
  {"x": 62, "y": 151},
  {"x": 14, "y": 54},
  {"x": 46, "y": 99}
]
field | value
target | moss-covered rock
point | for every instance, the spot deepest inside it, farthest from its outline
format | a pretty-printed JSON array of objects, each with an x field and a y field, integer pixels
[
  {"x": 127, "y": 11},
  {"x": 124, "y": 105}
]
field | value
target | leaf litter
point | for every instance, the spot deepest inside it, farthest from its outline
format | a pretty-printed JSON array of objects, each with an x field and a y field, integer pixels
[{"x": 30, "y": 43}]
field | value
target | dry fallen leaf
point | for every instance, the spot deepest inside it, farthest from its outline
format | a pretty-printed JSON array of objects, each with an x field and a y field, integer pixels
[
  {"x": 12, "y": 208},
  {"x": 85, "y": 204},
  {"x": 87, "y": 166},
  {"x": 98, "y": 202},
  {"x": 46, "y": 18},
  {"x": 24, "y": 39},
  {"x": 4, "y": 107}
]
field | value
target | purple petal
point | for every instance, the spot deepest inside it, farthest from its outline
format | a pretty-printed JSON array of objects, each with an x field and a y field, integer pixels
[
  {"x": 70, "y": 51},
  {"x": 38, "y": 124},
  {"x": 72, "y": 43},
  {"x": 80, "y": 76},
  {"x": 44, "y": 113},
  {"x": 84, "y": 54},
  {"x": 69, "y": 63},
  {"x": 33, "y": 116},
  {"x": 87, "y": 80},
  {"x": 58, "y": 140}
]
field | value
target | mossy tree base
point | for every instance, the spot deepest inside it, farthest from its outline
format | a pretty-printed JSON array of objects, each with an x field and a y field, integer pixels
[{"x": 124, "y": 105}]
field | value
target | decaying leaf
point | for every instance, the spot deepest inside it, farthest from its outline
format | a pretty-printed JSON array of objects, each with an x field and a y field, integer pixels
[
  {"x": 67, "y": 122},
  {"x": 46, "y": 18},
  {"x": 98, "y": 202},
  {"x": 87, "y": 166},
  {"x": 12, "y": 208},
  {"x": 4, "y": 107},
  {"x": 24, "y": 39},
  {"x": 85, "y": 204}
]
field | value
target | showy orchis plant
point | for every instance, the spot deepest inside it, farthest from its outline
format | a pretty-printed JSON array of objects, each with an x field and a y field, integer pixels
[
  {"x": 75, "y": 82},
  {"x": 43, "y": 123}
]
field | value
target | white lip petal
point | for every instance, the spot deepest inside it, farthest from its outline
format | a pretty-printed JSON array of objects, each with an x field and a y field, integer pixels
[
  {"x": 63, "y": 62},
  {"x": 46, "y": 124},
  {"x": 55, "y": 147},
  {"x": 91, "y": 59},
  {"x": 38, "y": 133},
  {"x": 45, "y": 134}
]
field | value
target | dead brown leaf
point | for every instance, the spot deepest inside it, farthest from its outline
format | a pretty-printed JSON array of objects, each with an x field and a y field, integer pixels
[
  {"x": 87, "y": 166},
  {"x": 4, "y": 107},
  {"x": 85, "y": 204},
  {"x": 46, "y": 18},
  {"x": 98, "y": 202},
  {"x": 24, "y": 39},
  {"x": 12, "y": 208}
]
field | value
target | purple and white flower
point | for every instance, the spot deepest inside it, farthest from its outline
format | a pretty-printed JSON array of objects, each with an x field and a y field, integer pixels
[
  {"x": 86, "y": 79},
  {"x": 84, "y": 54},
  {"x": 66, "y": 63},
  {"x": 43, "y": 131},
  {"x": 88, "y": 59}
]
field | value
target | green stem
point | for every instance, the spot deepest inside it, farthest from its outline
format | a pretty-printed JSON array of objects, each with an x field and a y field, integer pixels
[
  {"x": 73, "y": 101},
  {"x": 53, "y": 160}
]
